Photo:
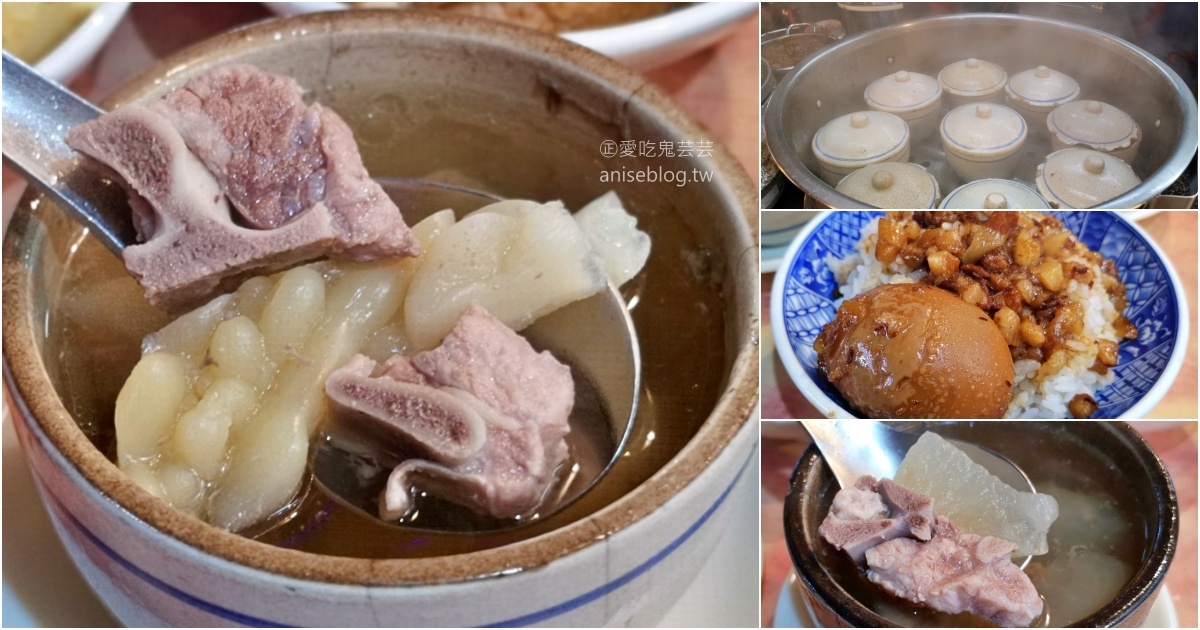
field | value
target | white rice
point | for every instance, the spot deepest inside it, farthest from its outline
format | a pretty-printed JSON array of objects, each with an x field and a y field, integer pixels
[{"x": 1033, "y": 397}]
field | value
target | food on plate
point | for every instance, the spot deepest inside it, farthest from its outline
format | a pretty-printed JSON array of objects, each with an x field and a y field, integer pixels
[
  {"x": 1056, "y": 304},
  {"x": 916, "y": 351},
  {"x": 976, "y": 500},
  {"x": 551, "y": 17},
  {"x": 925, "y": 558},
  {"x": 33, "y": 29},
  {"x": 233, "y": 174}
]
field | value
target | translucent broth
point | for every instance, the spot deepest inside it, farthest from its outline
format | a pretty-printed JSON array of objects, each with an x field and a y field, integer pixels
[{"x": 99, "y": 318}]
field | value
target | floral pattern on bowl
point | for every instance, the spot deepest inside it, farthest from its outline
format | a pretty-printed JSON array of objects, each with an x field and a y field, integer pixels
[{"x": 805, "y": 290}]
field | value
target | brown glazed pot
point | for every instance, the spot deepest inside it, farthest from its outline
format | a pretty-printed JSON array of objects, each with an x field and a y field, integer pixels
[{"x": 813, "y": 486}]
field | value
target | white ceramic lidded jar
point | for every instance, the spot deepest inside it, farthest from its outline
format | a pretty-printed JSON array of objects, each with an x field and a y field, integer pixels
[
  {"x": 1083, "y": 178},
  {"x": 1036, "y": 92},
  {"x": 1094, "y": 125},
  {"x": 972, "y": 80},
  {"x": 983, "y": 140},
  {"x": 892, "y": 185},
  {"x": 915, "y": 97},
  {"x": 848, "y": 143},
  {"x": 994, "y": 194}
]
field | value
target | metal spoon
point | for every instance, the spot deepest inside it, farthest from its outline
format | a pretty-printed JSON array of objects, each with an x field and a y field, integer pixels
[
  {"x": 37, "y": 115},
  {"x": 855, "y": 448},
  {"x": 605, "y": 362}
]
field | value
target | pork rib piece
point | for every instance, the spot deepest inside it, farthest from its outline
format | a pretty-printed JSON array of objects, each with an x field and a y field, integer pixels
[
  {"x": 957, "y": 572},
  {"x": 239, "y": 140},
  {"x": 875, "y": 511},
  {"x": 485, "y": 411}
]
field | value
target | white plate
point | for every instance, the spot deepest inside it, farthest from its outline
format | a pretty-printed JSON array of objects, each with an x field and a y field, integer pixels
[
  {"x": 792, "y": 611},
  {"x": 644, "y": 44},
  {"x": 69, "y": 57}
]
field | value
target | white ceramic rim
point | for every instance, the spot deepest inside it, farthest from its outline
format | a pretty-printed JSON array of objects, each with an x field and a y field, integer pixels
[
  {"x": 1043, "y": 186},
  {"x": 973, "y": 94},
  {"x": 71, "y": 54},
  {"x": 1041, "y": 102},
  {"x": 937, "y": 191},
  {"x": 656, "y": 41},
  {"x": 933, "y": 102},
  {"x": 834, "y": 163},
  {"x": 997, "y": 152},
  {"x": 830, "y": 409},
  {"x": 1003, "y": 182},
  {"x": 1108, "y": 146},
  {"x": 783, "y": 347}
]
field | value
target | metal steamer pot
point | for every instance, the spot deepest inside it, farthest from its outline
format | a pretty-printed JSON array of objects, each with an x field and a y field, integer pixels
[{"x": 831, "y": 83}]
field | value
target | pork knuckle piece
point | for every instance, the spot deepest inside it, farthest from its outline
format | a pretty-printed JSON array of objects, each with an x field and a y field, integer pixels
[
  {"x": 957, "y": 572},
  {"x": 873, "y": 512},
  {"x": 233, "y": 173},
  {"x": 486, "y": 412}
]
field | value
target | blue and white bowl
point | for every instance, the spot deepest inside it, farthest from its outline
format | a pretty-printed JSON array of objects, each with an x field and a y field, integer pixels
[{"x": 803, "y": 295}]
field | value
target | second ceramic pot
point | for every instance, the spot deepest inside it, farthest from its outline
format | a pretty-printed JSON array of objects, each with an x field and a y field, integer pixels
[
  {"x": 983, "y": 140},
  {"x": 848, "y": 143}
]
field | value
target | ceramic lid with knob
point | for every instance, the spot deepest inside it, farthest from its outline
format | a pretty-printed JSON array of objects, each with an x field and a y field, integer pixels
[
  {"x": 994, "y": 194},
  {"x": 1083, "y": 178},
  {"x": 1098, "y": 125},
  {"x": 861, "y": 138},
  {"x": 892, "y": 185},
  {"x": 1042, "y": 87},
  {"x": 983, "y": 129},
  {"x": 972, "y": 77},
  {"x": 903, "y": 91}
]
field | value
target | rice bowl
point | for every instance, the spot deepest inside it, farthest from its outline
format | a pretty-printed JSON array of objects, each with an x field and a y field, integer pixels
[{"x": 804, "y": 299}]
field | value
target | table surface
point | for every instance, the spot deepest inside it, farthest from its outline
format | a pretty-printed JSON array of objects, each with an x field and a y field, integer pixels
[
  {"x": 784, "y": 442},
  {"x": 717, "y": 86},
  {"x": 1174, "y": 231}
]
